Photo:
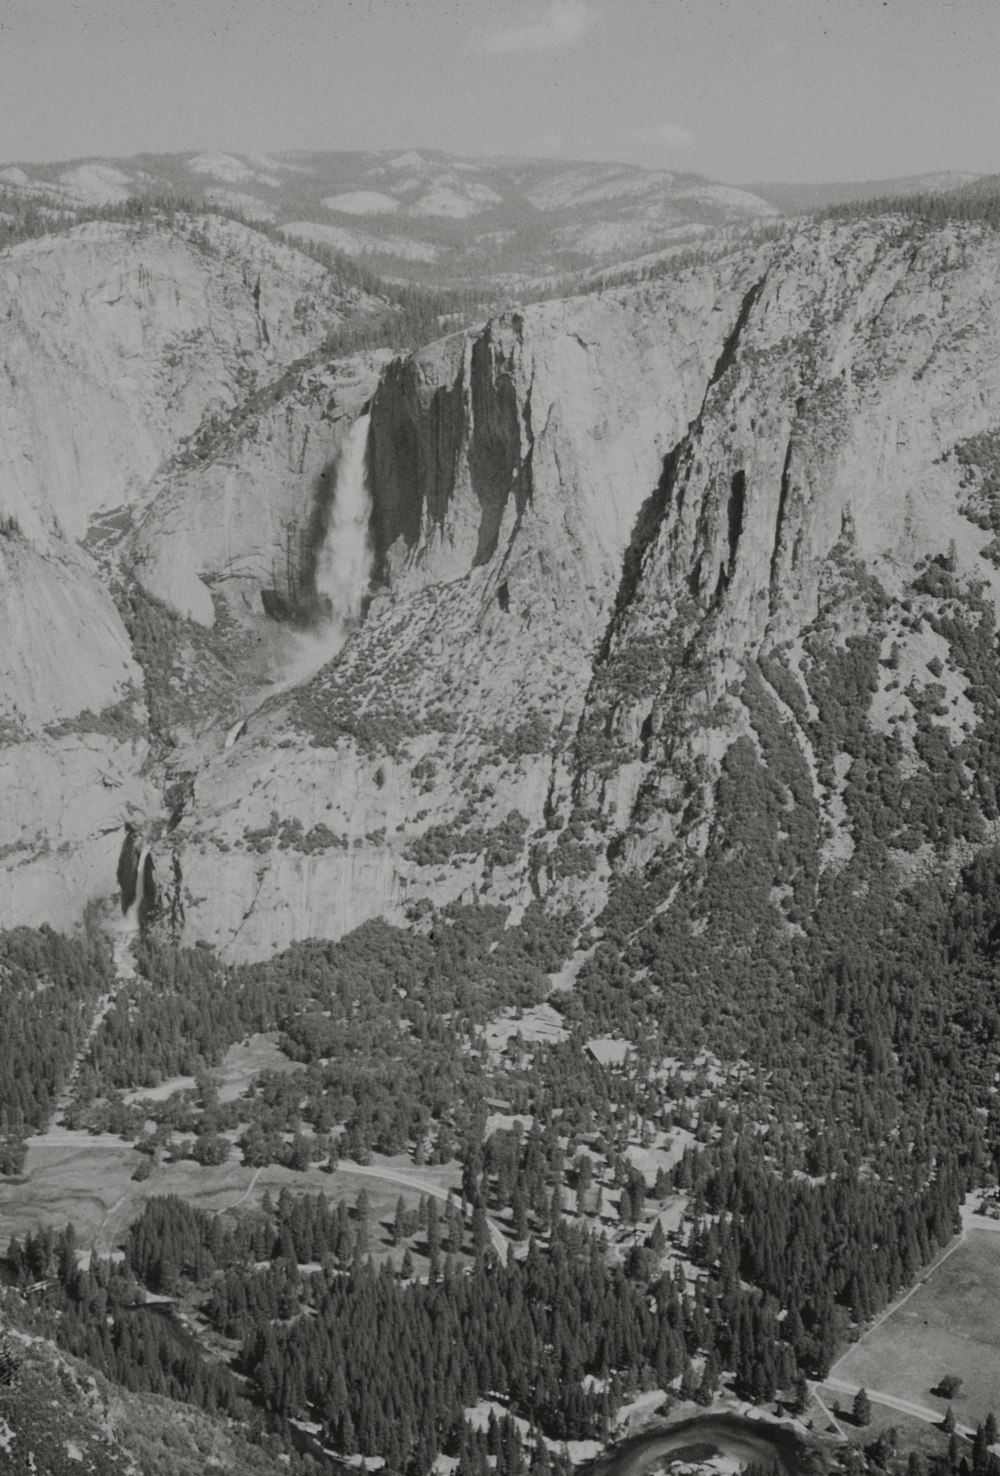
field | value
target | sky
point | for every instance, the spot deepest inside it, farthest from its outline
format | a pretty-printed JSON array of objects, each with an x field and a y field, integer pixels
[{"x": 739, "y": 90}]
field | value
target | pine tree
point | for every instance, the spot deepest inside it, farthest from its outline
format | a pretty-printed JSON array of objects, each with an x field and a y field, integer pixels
[
  {"x": 348, "y": 1441},
  {"x": 980, "y": 1451},
  {"x": 519, "y": 1213},
  {"x": 361, "y": 1209},
  {"x": 861, "y": 1409},
  {"x": 10, "y": 1363},
  {"x": 709, "y": 1379}
]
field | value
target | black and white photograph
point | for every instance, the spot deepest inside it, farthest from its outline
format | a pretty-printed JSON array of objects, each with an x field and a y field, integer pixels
[{"x": 499, "y": 737}]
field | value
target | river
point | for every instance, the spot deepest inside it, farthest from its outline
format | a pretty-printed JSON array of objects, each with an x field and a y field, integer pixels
[{"x": 707, "y": 1436}]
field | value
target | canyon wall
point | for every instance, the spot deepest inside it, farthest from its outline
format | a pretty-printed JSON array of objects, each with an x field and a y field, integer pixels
[
  {"x": 591, "y": 518},
  {"x": 124, "y": 346},
  {"x": 622, "y": 547}
]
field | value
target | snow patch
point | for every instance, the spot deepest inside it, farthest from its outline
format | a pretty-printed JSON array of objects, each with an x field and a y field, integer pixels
[
  {"x": 100, "y": 184},
  {"x": 456, "y": 202},
  {"x": 729, "y": 198},
  {"x": 230, "y": 170},
  {"x": 590, "y": 186},
  {"x": 356, "y": 243},
  {"x": 362, "y": 202},
  {"x": 410, "y": 160},
  {"x": 248, "y": 205}
]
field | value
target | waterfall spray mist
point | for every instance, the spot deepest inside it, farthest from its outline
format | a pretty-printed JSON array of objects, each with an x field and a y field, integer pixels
[
  {"x": 133, "y": 865},
  {"x": 336, "y": 569},
  {"x": 343, "y": 563},
  {"x": 133, "y": 915}
]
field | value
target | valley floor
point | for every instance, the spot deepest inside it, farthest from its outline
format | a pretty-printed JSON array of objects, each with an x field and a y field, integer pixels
[{"x": 947, "y": 1324}]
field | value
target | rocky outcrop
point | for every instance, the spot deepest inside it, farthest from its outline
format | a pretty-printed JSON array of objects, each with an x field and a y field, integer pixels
[
  {"x": 612, "y": 537},
  {"x": 591, "y": 519},
  {"x": 508, "y": 469},
  {"x": 237, "y": 519},
  {"x": 837, "y": 429},
  {"x": 119, "y": 342},
  {"x": 73, "y": 727}
]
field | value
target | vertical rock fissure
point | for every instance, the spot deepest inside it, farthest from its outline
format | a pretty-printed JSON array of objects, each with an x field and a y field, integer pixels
[
  {"x": 779, "y": 528},
  {"x": 735, "y": 510},
  {"x": 731, "y": 343},
  {"x": 645, "y": 529},
  {"x": 656, "y": 507},
  {"x": 669, "y": 496}
]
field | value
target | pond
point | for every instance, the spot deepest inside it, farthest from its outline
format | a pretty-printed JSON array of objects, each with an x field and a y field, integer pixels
[{"x": 707, "y": 1436}]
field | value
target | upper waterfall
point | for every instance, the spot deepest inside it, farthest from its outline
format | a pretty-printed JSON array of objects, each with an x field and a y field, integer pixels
[{"x": 343, "y": 561}]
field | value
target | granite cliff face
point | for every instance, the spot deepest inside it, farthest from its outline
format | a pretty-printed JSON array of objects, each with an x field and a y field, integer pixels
[
  {"x": 595, "y": 522},
  {"x": 122, "y": 344},
  {"x": 635, "y": 556},
  {"x": 507, "y": 469},
  {"x": 234, "y": 521},
  {"x": 119, "y": 340}
]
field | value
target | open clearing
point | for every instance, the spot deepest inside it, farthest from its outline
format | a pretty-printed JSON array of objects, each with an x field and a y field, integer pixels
[
  {"x": 68, "y": 1181},
  {"x": 240, "y": 1068},
  {"x": 88, "y": 1180},
  {"x": 913, "y": 1434},
  {"x": 949, "y": 1325}
]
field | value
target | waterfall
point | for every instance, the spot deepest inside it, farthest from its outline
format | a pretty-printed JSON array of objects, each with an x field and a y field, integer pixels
[
  {"x": 324, "y": 600},
  {"x": 137, "y": 886},
  {"x": 343, "y": 563},
  {"x": 133, "y": 914}
]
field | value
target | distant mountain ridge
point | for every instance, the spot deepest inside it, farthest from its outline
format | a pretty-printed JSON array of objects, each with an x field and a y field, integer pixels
[
  {"x": 426, "y": 216},
  {"x": 799, "y": 197},
  {"x": 421, "y": 212}
]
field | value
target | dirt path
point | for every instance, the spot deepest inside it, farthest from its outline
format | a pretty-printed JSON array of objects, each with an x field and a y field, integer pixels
[
  {"x": 57, "y": 1137},
  {"x": 246, "y": 1193},
  {"x": 828, "y": 1412},
  {"x": 904, "y": 1406},
  {"x": 970, "y": 1221},
  {"x": 407, "y": 1181},
  {"x": 894, "y": 1307}
]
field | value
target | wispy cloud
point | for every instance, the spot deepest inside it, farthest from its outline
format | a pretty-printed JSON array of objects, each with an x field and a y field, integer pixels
[
  {"x": 661, "y": 138},
  {"x": 560, "y": 25}
]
